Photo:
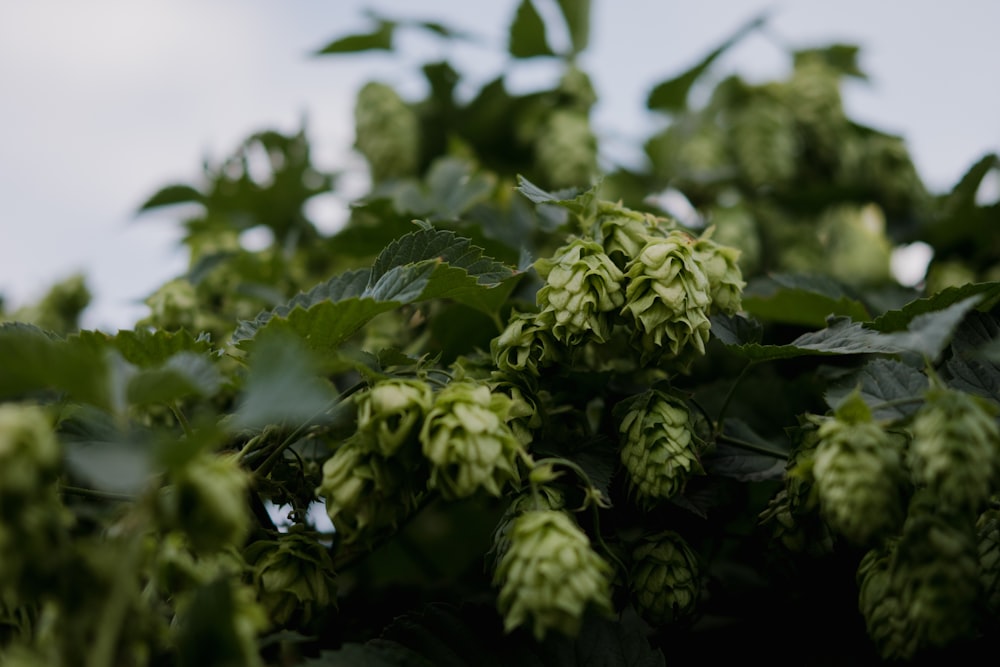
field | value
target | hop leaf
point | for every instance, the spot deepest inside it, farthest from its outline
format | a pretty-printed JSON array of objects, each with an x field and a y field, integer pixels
[
  {"x": 659, "y": 449},
  {"x": 469, "y": 442},
  {"x": 668, "y": 297},
  {"x": 391, "y": 413},
  {"x": 583, "y": 289},
  {"x": 550, "y": 575},
  {"x": 859, "y": 476},
  {"x": 955, "y": 448},
  {"x": 665, "y": 578}
]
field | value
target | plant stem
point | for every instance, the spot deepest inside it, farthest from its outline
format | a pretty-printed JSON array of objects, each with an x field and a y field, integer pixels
[{"x": 95, "y": 493}]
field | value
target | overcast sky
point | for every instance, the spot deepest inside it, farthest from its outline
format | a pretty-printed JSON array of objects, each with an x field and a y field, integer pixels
[{"x": 104, "y": 101}]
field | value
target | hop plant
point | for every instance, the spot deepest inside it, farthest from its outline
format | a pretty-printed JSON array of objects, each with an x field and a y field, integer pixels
[
  {"x": 856, "y": 248},
  {"x": 766, "y": 143},
  {"x": 468, "y": 440},
  {"x": 542, "y": 497},
  {"x": 665, "y": 578},
  {"x": 668, "y": 297},
  {"x": 955, "y": 449},
  {"x": 387, "y": 132},
  {"x": 550, "y": 575},
  {"x": 364, "y": 493},
  {"x": 583, "y": 289},
  {"x": 658, "y": 446},
  {"x": 391, "y": 413},
  {"x": 858, "y": 471},
  {"x": 293, "y": 575},
  {"x": 207, "y": 501}
]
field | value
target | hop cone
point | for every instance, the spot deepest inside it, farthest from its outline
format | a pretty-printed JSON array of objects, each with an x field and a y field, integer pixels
[
  {"x": 936, "y": 574},
  {"x": 766, "y": 144},
  {"x": 545, "y": 498},
  {"x": 294, "y": 576},
  {"x": 659, "y": 450},
  {"x": 469, "y": 442},
  {"x": 550, "y": 575},
  {"x": 392, "y": 412},
  {"x": 881, "y": 606},
  {"x": 665, "y": 578},
  {"x": 583, "y": 288},
  {"x": 725, "y": 279},
  {"x": 954, "y": 451},
  {"x": 364, "y": 493},
  {"x": 566, "y": 149},
  {"x": 387, "y": 132},
  {"x": 623, "y": 232},
  {"x": 988, "y": 531},
  {"x": 526, "y": 344},
  {"x": 736, "y": 226},
  {"x": 858, "y": 472},
  {"x": 668, "y": 297},
  {"x": 207, "y": 501},
  {"x": 29, "y": 455}
]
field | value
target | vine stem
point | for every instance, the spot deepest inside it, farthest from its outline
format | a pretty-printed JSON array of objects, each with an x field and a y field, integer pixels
[
  {"x": 729, "y": 396},
  {"x": 745, "y": 444},
  {"x": 95, "y": 493}
]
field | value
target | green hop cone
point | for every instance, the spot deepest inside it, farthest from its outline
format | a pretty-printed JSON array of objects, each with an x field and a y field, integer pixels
[
  {"x": 881, "y": 606},
  {"x": 623, "y": 232},
  {"x": 858, "y": 478},
  {"x": 206, "y": 500},
  {"x": 668, "y": 297},
  {"x": 936, "y": 573},
  {"x": 988, "y": 533},
  {"x": 658, "y": 446},
  {"x": 566, "y": 149},
  {"x": 526, "y": 344},
  {"x": 469, "y": 442},
  {"x": 391, "y": 413},
  {"x": 583, "y": 289},
  {"x": 665, "y": 578},
  {"x": 294, "y": 577},
  {"x": 550, "y": 575},
  {"x": 29, "y": 454},
  {"x": 725, "y": 279},
  {"x": 766, "y": 143},
  {"x": 955, "y": 449},
  {"x": 544, "y": 497},
  {"x": 365, "y": 494},
  {"x": 387, "y": 132}
]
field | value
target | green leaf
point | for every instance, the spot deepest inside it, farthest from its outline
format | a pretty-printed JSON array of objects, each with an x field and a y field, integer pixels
[
  {"x": 895, "y": 320},
  {"x": 441, "y": 246},
  {"x": 841, "y": 57},
  {"x": 33, "y": 361},
  {"x": 145, "y": 348},
  {"x": 105, "y": 456},
  {"x": 672, "y": 95},
  {"x": 527, "y": 33},
  {"x": 379, "y": 40},
  {"x": 736, "y": 329},
  {"x": 973, "y": 367},
  {"x": 207, "y": 632},
  {"x": 757, "y": 460},
  {"x": 173, "y": 194},
  {"x": 283, "y": 385},
  {"x": 450, "y": 189},
  {"x": 801, "y": 299},
  {"x": 184, "y": 374},
  {"x": 577, "y": 16},
  {"x": 885, "y": 385},
  {"x": 582, "y": 204}
]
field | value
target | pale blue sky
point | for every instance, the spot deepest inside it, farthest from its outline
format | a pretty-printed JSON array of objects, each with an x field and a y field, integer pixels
[{"x": 106, "y": 100}]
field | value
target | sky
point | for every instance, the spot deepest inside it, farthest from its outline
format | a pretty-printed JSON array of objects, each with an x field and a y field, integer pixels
[{"x": 105, "y": 101}]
